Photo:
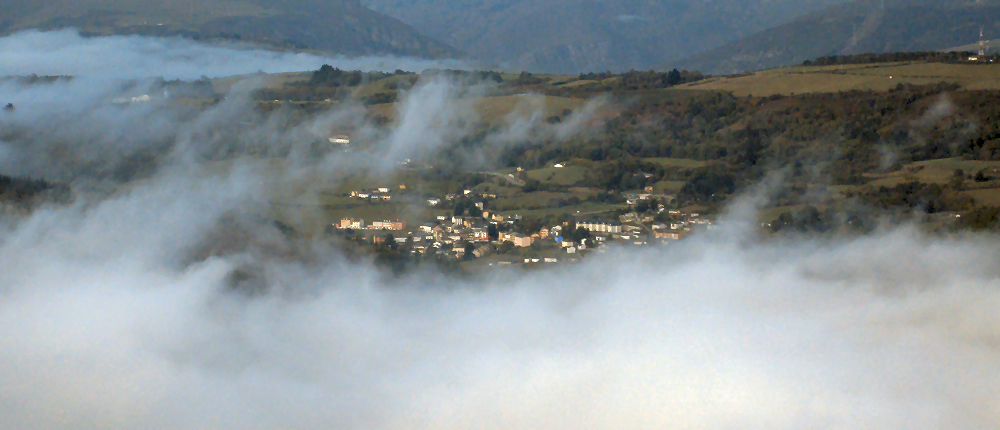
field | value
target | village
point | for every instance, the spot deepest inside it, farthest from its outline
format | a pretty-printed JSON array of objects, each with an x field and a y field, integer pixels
[
  {"x": 508, "y": 238},
  {"x": 465, "y": 225}
]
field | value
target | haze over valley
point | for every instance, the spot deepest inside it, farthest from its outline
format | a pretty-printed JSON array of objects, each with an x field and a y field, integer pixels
[{"x": 451, "y": 214}]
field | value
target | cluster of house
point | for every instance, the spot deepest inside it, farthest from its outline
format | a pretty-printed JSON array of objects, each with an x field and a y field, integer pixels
[
  {"x": 436, "y": 201},
  {"x": 359, "y": 224},
  {"x": 376, "y": 194},
  {"x": 452, "y": 235},
  {"x": 384, "y": 194},
  {"x": 448, "y": 234},
  {"x": 528, "y": 261},
  {"x": 680, "y": 228},
  {"x": 635, "y": 198}
]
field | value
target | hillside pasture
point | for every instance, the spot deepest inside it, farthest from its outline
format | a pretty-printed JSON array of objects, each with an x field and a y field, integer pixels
[
  {"x": 668, "y": 187},
  {"x": 985, "y": 197},
  {"x": 827, "y": 79},
  {"x": 268, "y": 80},
  {"x": 495, "y": 110},
  {"x": 569, "y": 175},
  {"x": 684, "y": 163},
  {"x": 932, "y": 171}
]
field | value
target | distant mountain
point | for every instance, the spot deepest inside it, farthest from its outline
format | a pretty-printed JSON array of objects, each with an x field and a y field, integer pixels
[
  {"x": 858, "y": 27},
  {"x": 336, "y": 26},
  {"x": 571, "y": 36}
]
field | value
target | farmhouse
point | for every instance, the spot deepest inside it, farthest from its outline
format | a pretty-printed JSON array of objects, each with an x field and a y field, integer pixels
[
  {"x": 521, "y": 241},
  {"x": 340, "y": 140}
]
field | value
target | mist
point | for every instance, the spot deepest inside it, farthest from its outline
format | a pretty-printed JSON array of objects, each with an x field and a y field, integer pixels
[
  {"x": 65, "y": 52},
  {"x": 103, "y": 327},
  {"x": 112, "y": 314}
]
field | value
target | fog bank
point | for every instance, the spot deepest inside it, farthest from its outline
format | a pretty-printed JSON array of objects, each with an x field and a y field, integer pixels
[
  {"x": 123, "y": 309},
  {"x": 104, "y": 326},
  {"x": 65, "y": 52}
]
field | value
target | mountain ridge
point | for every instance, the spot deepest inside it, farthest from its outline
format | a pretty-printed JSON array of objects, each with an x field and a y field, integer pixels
[
  {"x": 858, "y": 27},
  {"x": 562, "y": 36},
  {"x": 295, "y": 24}
]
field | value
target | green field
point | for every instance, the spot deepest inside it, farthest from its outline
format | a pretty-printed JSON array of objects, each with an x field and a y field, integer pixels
[
  {"x": 496, "y": 110},
  {"x": 684, "y": 163},
  {"x": 932, "y": 171},
  {"x": 569, "y": 175},
  {"x": 987, "y": 197},
  {"x": 668, "y": 187},
  {"x": 269, "y": 80}
]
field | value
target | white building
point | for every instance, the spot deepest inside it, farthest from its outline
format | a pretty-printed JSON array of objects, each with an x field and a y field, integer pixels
[
  {"x": 522, "y": 241},
  {"x": 596, "y": 226}
]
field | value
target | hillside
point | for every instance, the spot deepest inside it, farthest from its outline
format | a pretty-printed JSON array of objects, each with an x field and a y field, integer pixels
[
  {"x": 860, "y": 77},
  {"x": 562, "y": 36},
  {"x": 858, "y": 145},
  {"x": 336, "y": 26},
  {"x": 859, "y": 27}
]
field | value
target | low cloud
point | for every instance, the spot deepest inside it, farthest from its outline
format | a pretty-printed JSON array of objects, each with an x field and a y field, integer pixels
[
  {"x": 942, "y": 109},
  {"x": 113, "y": 315},
  {"x": 102, "y": 328},
  {"x": 437, "y": 112},
  {"x": 65, "y": 52},
  {"x": 528, "y": 121}
]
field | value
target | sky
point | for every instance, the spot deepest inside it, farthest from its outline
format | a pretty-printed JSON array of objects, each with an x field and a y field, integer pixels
[{"x": 125, "y": 308}]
